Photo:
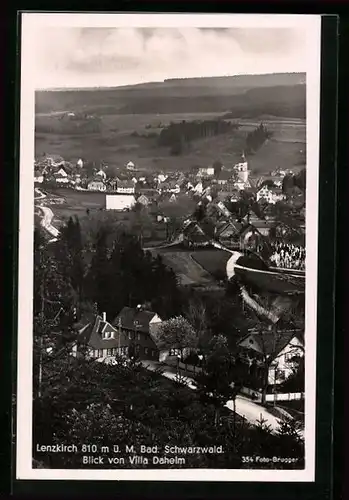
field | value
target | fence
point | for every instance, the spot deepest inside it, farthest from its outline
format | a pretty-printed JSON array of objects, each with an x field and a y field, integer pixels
[
  {"x": 257, "y": 396},
  {"x": 289, "y": 396}
]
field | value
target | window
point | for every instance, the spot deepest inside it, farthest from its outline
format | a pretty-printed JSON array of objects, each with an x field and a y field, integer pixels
[
  {"x": 138, "y": 336},
  {"x": 114, "y": 351},
  {"x": 109, "y": 352},
  {"x": 289, "y": 356},
  {"x": 146, "y": 350},
  {"x": 100, "y": 353},
  {"x": 106, "y": 335},
  {"x": 174, "y": 352},
  {"x": 130, "y": 335}
]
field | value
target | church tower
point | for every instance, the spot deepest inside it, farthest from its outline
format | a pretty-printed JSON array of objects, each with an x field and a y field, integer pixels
[{"x": 242, "y": 169}]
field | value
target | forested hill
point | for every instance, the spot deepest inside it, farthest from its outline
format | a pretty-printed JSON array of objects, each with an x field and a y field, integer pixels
[
  {"x": 244, "y": 81},
  {"x": 283, "y": 93}
]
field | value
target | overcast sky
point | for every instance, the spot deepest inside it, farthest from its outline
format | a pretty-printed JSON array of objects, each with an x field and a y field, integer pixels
[{"x": 90, "y": 57}]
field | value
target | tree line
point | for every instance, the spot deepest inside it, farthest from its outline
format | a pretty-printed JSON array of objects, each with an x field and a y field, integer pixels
[
  {"x": 256, "y": 138},
  {"x": 292, "y": 181},
  {"x": 110, "y": 273}
]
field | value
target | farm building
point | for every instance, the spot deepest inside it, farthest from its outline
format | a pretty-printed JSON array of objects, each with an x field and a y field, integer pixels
[
  {"x": 120, "y": 201},
  {"x": 125, "y": 186}
]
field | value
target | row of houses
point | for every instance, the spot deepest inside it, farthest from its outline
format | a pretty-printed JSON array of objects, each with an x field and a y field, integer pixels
[
  {"x": 201, "y": 180},
  {"x": 132, "y": 334}
]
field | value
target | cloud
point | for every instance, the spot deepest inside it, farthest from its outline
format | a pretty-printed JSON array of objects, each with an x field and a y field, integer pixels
[{"x": 76, "y": 57}]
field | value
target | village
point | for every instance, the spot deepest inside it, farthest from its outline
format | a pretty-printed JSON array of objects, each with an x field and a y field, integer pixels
[
  {"x": 226, "y": 194},
  {"x": 230, "y": 210}
]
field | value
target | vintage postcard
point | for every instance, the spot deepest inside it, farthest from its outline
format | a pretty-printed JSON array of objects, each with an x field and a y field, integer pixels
[{"x": 168, "y": 247}]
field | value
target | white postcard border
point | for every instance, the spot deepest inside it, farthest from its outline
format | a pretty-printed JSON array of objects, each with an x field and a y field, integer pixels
[{"x": 33, "y": 21}]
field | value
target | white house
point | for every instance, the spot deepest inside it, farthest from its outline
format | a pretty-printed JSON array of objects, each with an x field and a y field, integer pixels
[
  {"x": 270, "y": 194},
  {"x": 38, "y": 177},
  {"x": 161, "y": 177},
  {"x": 279, "y": 350},
  {"x": 96, "y": 185},
  {"x": 205, "y": 171},
  {"x": 199, "y": 188},
  {"x": 61, "y": 176},
  {"x": 240, "y": 185},
  {"x": 101, "y": 174},
  {"x": 120, "y": 201},
  {"x": 125, "y": 187}
]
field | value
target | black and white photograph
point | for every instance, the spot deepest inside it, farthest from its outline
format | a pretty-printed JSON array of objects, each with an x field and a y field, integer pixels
[{"x": 168, "y": 247}]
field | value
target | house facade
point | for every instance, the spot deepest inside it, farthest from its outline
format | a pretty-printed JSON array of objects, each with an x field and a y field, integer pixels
[
  {"x": 96, "y": 185},
  {"x": 278, "y": 350},
  {"x": 205, "y": 171},
  {"x": 129, "y": 335},
  {"x": 125, "y": 187},
  {"x": 38, "y": 177},
  {"x": 143, "y": 200},
  {"x": 270, "y": 194}
]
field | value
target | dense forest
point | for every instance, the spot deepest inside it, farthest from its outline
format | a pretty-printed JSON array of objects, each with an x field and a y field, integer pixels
[
  {"x": 178, "y": 136},
  {"x": 277, "y": 101}
]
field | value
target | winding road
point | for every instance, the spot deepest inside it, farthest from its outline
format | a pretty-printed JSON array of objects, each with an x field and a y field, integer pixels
[
  {"x": 245, "y": 408},
  {"x": 46, "y": 220}
]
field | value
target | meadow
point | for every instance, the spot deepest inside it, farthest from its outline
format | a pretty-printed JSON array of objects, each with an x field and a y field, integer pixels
[
  {"x": 121, "y": 138},
  {"x": 214, "y": 261},
  {"x": 117, "y": 125}
]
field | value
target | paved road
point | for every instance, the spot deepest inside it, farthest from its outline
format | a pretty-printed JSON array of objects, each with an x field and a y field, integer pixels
[
  {"x": 46, "y": 221},
  {"x": 39, "y": 194},
  {"x": 247, "y": 409}
]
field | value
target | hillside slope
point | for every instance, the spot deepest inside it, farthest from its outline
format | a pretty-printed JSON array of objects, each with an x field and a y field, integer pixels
[{"x": 284, "y": 95}]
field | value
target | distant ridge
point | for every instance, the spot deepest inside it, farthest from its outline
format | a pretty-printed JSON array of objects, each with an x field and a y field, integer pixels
[{"x": 267, "y": 79}]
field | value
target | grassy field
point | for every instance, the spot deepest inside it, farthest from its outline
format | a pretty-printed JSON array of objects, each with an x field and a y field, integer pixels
[
  {"x": 74, "y": 203},
  {"x": 116, "y": 142},
  {"x": 188, "y": 271},
  {"x": 213, "y": 261}
]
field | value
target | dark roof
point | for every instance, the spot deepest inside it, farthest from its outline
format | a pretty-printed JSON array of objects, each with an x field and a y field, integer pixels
[
  {"x": 91, "y": 328},
  {"x": 90, "y": 333},
  {"x": 129, "y": 317},
  {"x": 231, "y": 227},
  {"x": 271, "y": 343},
  {"x": 224, "y": 175},
  {"x": 194, "y": 232}
]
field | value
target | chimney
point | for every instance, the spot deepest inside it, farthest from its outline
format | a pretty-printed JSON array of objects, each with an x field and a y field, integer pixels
[{"x": 104, "y": 316}]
